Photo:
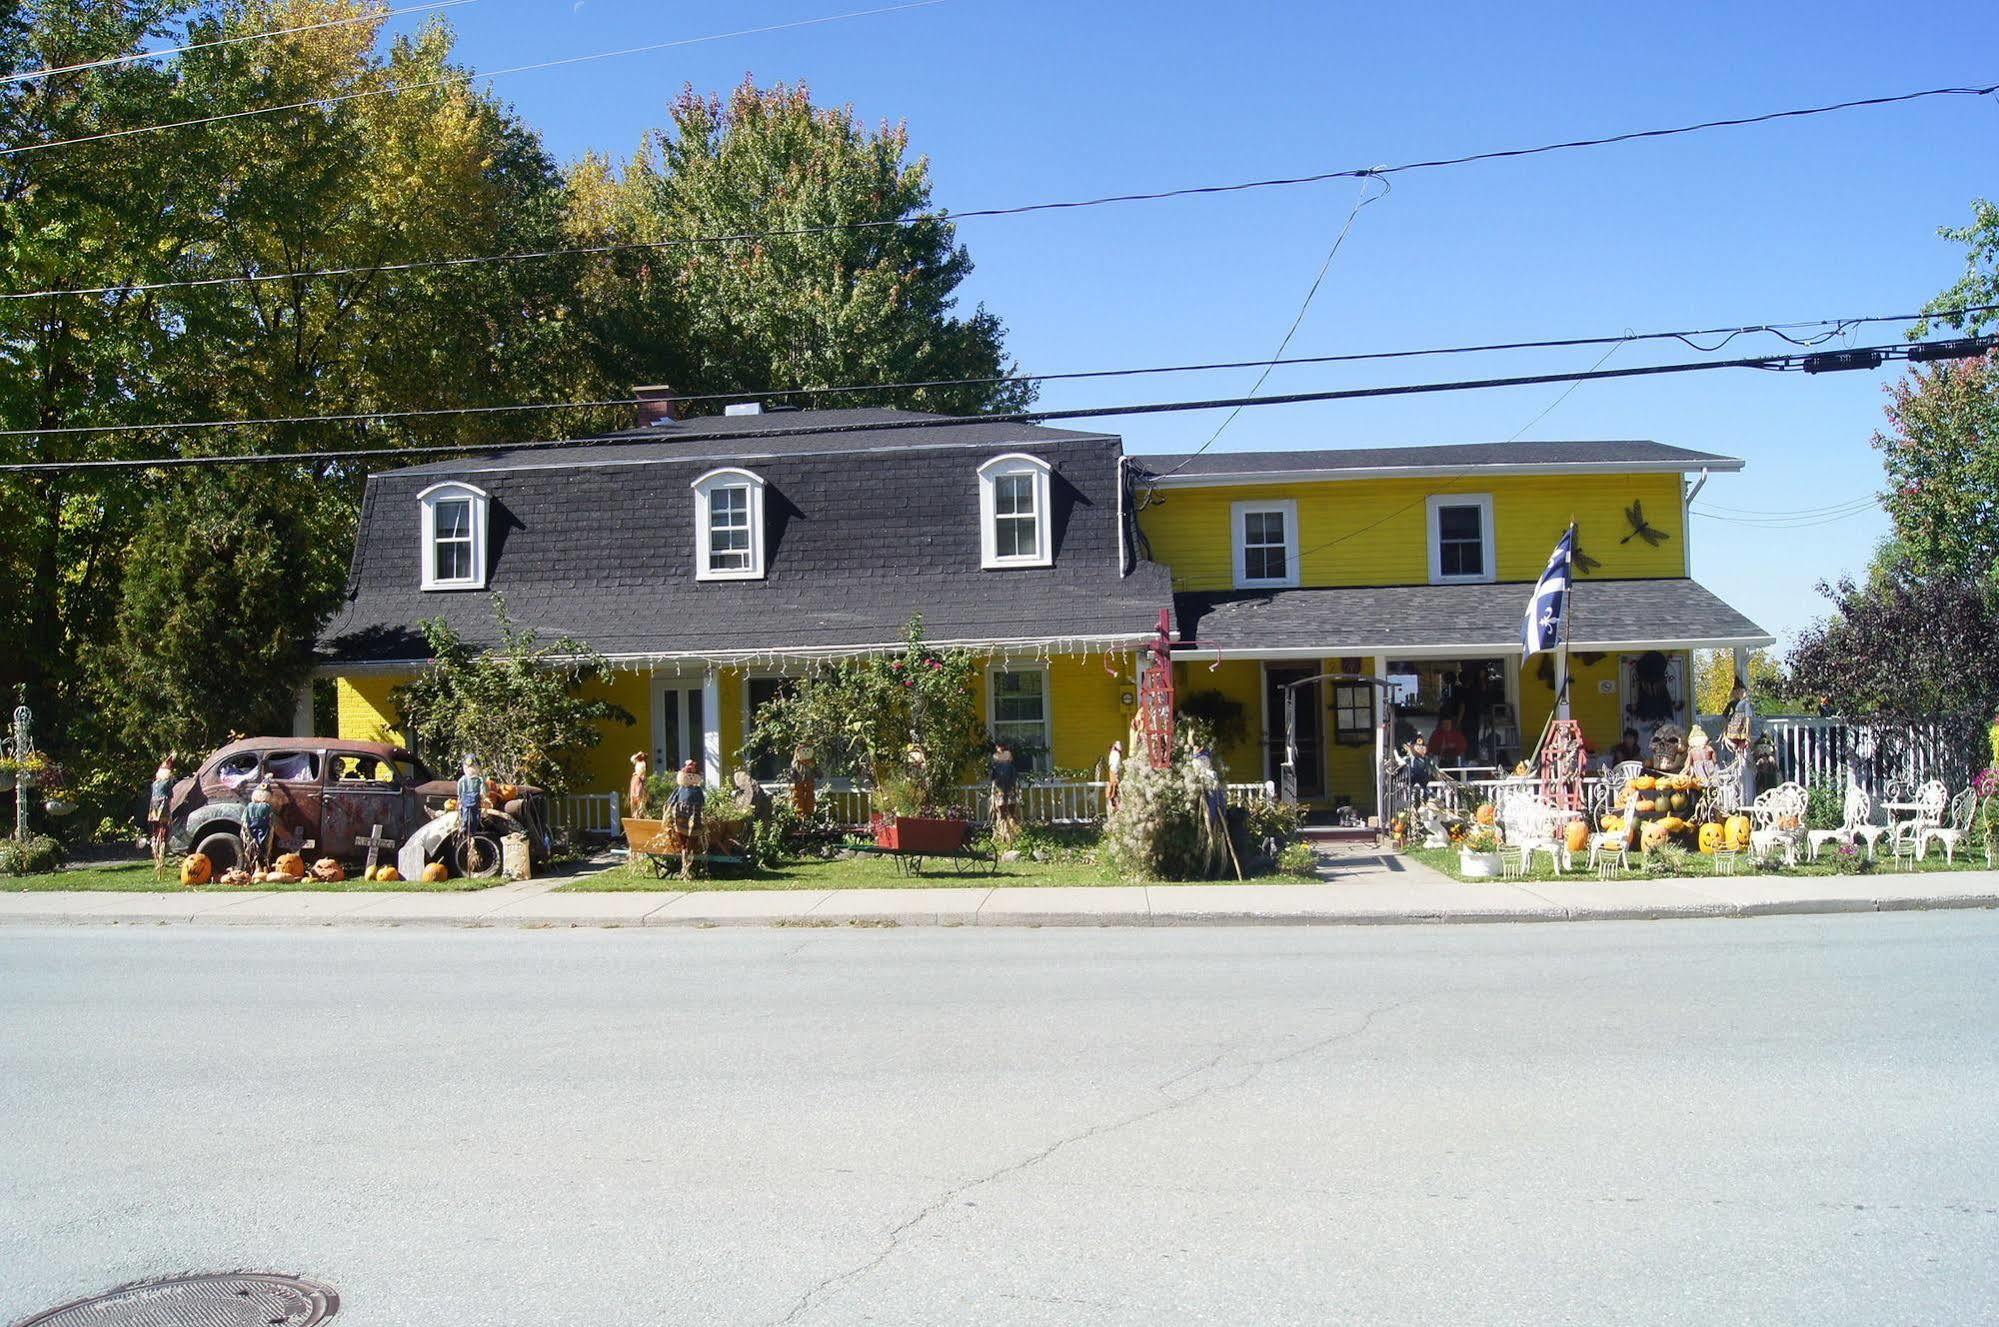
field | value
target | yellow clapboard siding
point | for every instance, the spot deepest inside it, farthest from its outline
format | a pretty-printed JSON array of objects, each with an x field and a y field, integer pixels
[
  {"x": 1382, "y": 527},
  {"x": 364, "y": 712}
]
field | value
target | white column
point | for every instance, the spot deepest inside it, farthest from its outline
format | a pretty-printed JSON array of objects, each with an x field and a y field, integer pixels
[
  {"x": 302, "y": 711},
  {"x": 1741, "y": 665},
  {"x": 1382, "y": 742},
  {"x": 711, "y": 728}
]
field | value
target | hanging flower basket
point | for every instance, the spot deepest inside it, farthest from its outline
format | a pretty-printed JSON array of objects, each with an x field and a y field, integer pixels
[{"x": 58, "y": 806}]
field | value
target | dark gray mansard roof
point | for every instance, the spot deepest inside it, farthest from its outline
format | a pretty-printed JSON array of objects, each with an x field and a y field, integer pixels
[
  {"x": 1614, "y": 455},
  {"x": 1379, "y": 620},
  {"x": 864, "y": 529}
]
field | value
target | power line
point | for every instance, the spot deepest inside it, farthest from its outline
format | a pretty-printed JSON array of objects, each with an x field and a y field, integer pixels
[
  {"x": 1789, "y": 511},
  {"x": 1835, "y": 327},
  {"x": 1778, "y": 363},
  {"x": 1303, "y": 308},
  {"x": 159, "y": 52},
  {"x": 942, "y": 216},
  {"x": 1570, "y": 390},
  {"x": 466, "y": 77}
]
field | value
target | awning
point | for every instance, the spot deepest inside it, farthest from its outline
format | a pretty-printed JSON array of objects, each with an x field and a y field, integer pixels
[{"x": 1455, "y": 619}]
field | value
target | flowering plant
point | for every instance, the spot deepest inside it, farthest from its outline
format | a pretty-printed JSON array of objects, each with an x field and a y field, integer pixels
[{"x": 1482, "y": 840}]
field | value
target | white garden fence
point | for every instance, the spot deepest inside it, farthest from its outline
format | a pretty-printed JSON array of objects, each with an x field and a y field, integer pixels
[
  {"x": 1056, "y": 802},
  {"x": 1875, "y": 751},
  {"x": 587, "y": 813}
]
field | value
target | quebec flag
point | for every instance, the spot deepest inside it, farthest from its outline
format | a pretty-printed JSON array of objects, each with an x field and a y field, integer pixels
[{"x": 1541, "y": 629}]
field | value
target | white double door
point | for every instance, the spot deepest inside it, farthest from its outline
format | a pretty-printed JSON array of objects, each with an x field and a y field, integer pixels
[{"x": 684, "y": 724}]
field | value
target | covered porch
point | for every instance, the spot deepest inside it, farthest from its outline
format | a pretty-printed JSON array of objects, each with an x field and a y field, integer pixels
[{"x": 1450, "y": 658}]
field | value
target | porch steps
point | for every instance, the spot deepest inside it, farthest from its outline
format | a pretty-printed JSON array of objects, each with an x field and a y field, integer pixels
[{"x": 1336, "y": 834}]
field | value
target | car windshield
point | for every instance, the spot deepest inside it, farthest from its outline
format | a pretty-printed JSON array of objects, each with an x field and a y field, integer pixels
[{"x": 413, "y": 771}]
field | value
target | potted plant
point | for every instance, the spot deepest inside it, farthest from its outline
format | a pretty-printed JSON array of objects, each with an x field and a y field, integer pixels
[
  {"x": 1478, "y": 855},
  {"x": 900, "y": 825}
]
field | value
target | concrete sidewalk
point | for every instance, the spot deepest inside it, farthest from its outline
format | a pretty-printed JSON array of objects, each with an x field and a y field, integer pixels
[{"x": 1411, "y": 895}]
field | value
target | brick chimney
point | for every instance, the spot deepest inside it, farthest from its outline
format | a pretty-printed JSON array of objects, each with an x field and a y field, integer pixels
[{"x": 658, "y": 405}]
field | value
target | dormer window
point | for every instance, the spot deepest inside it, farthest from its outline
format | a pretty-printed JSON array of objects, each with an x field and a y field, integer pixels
[
  {"x": 1013, "y": 513},
  {"x": 454, "y": 537},
  {"x": 729, "y": 526}
]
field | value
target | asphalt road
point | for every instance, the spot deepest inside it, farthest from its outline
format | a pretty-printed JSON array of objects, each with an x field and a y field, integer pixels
[{"x": 1775, "y": 1121}]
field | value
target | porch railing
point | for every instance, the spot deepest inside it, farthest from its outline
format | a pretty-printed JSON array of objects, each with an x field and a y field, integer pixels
[
  {"x": 1877, "y": 751},
  {"x": 587, "y": 813}
]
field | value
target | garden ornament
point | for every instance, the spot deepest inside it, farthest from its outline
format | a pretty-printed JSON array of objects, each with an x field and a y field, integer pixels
[
  {"x": 158, "y": 819},
  {"x": 1669, "y": 748},
  {"x": 685, "y": 807},
  {"x": 1114, "y": 763},
  {"x": 635, "y": 792},
  {"x": 804, "y": 776},
  {"x": 1006, "y": 802},
  {"x": 751, "y": 794}
]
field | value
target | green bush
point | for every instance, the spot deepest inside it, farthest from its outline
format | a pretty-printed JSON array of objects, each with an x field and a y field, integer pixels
[
  {"x": 1299, "y": 859},
  {"x": 1825, "y": 804},
  {"x": 1273, "y": 820},
  {"x": 38, "y": 855}
]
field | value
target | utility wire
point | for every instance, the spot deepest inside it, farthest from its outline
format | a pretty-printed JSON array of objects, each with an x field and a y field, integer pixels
[
  {"x": 159, "y": 52},
  {"x": 1303, "y": 308},
  {"x": 1784, "y": 330},
  {"x": 465, "y": 77},
  {"x": 941, "y": 216},
  {"x": 1570, "y": 390},
  {"x": 1778, "y": 363},
  {"x": 1787, "y": 511}
]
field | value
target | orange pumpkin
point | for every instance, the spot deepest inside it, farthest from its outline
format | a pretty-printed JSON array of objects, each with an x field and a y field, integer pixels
[
  {"x": 1647, "y": 807},
  {"x": 290, "y": 864},
  {"x": 1575, "y": 837},
  {"x": 195, "y": 869},
  {"x": 1485, "y": 814},
  {"x": 1611, "y": 824},
  {"x": 328, "y": 872},
  {"x": 388, "y": 875},
  {"x": 1710, "y": 837},
  {"x": 1644, "y": 782},
  {"x": 1735, "y": 832},
  {"x": 1654, "y": 836},
  {"x": 436, "y": 873}
]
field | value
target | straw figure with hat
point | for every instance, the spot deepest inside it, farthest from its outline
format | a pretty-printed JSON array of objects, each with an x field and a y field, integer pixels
[
  {"x": 685, "y": 807},
  {"x": 635, "y": 791}
]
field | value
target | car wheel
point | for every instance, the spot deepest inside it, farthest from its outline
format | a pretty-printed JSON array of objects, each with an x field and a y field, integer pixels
[
  {"x": 224, "y": 851},
  {"x": 476, "y": 856}
]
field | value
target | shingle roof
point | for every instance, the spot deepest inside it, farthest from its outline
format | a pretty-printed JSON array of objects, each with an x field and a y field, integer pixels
[
  {"x": 793, "y": 433},
  {"x": 1606, "y": 614},
  {"x": 599, "y": 544},
  {"x": 1619, "y": 454}
]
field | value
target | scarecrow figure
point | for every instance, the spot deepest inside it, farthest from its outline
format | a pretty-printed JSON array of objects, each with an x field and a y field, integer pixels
[
  {"x": 1005, "y": 778},
  {"x": 751, "y": 794},
  {"x": 685, "y": 810},
  {"x": 471, "y": 795},
  {"x": 1700, "y": 753},
  {"x": 804, "y": 777},
  {"x": 159, "y": 821},
  {"x": 1115, "y": 764},
  {"x": 635, "y": 792},
  {"x": 257, "y": 818}
]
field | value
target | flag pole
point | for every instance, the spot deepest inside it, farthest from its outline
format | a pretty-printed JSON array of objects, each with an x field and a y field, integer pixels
[{"x": 1562, "y": 650}]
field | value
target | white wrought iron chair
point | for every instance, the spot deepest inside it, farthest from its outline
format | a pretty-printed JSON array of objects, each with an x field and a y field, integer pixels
[
  {"x": 1613, "y": 846},
  {"x": 1910, "y": 838},
  {"x": 1956, "y": 824},
  {"x": 1853, "y": 821},
  {"x": 1616, "y": 781},
  {"x": 1777, "y": 823}
]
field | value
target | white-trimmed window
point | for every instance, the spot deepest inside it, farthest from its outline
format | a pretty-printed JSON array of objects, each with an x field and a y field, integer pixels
[
  {"x": 729, "y": 526},
  {"x": 1013, "y": 512},
  {"x": 454, "y": 537},
  {"x": 1018, "y": 711},
  {"x": 1265, "y": 536},
  {"x": 1461, "y": 546}
]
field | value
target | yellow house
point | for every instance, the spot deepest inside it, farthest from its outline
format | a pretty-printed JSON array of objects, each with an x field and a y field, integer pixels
[
  {"x": 708, "y": 559},
  {"x": 1415, "y": 565}
]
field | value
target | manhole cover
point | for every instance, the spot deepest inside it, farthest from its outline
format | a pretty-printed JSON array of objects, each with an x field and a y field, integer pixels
[{"x": 215, "y": 1299}]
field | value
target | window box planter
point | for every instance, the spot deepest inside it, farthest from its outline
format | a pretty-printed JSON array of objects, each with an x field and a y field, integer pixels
[
  {"x": 1479, "y": 864},
  {"x": 921, "y": 834}
]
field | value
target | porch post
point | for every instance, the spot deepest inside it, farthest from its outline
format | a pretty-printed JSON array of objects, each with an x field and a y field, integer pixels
[
  {"x": 1741, "y": 664},
  {"x": 711, "y": 727},
  {"x": 1383, "y": 741}
]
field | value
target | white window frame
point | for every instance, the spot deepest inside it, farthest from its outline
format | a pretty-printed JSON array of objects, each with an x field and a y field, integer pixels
[
  {"x": 1239, "y": 514},
  {"x": 1011, "y": 465},
  {"x": 993, "y": 674},
  {"x": 1489, "y": 545},
  {"x": 704, "y": 488},
  {"x": 427, "y": 501}
]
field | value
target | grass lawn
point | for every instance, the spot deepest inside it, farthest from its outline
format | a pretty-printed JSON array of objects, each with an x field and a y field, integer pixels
[
  {"x": 138, "y": 877},
  {"x": 1699, "y": 866},
  {"x": 877, "y": 873}
]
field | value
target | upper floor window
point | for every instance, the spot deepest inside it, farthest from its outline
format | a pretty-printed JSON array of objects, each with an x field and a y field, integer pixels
[
  {"x": 1461, "y": 538},
  {"x": 454, "y": 537},
  {"x": 1266, "y": 543},
  {"x": 1013, "y": 512},
  {"x": 729, "y": 526}
]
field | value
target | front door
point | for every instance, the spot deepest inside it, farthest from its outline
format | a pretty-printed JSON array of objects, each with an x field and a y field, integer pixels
[
  {"x": 678, "y": 724},
  {"x": 1311, "y": 761}
]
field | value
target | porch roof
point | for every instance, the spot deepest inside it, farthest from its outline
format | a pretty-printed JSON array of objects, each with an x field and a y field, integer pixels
[{"x": 1455, "y": 619}]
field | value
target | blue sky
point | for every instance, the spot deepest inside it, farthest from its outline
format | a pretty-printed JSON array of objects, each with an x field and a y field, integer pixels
[{"x": 1020, "y": 102}]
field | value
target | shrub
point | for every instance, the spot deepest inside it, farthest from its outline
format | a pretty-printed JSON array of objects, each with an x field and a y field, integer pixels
[
  {"x": 38, "y": 855},
  {"x": 1299, "y": 859},
  {"x": 1272, "y": 820},
  {"x": 1161, "y": 829},
  {"x": 1825, "y": 804},
  {"x": 1848, "y": 859}
]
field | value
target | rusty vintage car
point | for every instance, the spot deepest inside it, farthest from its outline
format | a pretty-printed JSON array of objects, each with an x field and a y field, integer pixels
[{"x": 331, "y": 797}]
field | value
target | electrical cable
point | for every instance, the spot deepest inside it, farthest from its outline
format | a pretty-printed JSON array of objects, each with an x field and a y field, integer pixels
[
  {"x": 1303, "y": 308},
  {"x": 944, "y": 216},
  {"x": 1774, "y": 363},
  {"x": 1779, "y": 329},
  {"x": 465, "y": 77},
  {"x": 1570, "y": 390},
  {"x": 157, "y": 53}
]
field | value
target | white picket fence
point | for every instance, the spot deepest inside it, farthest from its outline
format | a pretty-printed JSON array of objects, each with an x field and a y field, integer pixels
[
  {"x": 1875, "y": 751},
  {"x": 588, "y": 813}
]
